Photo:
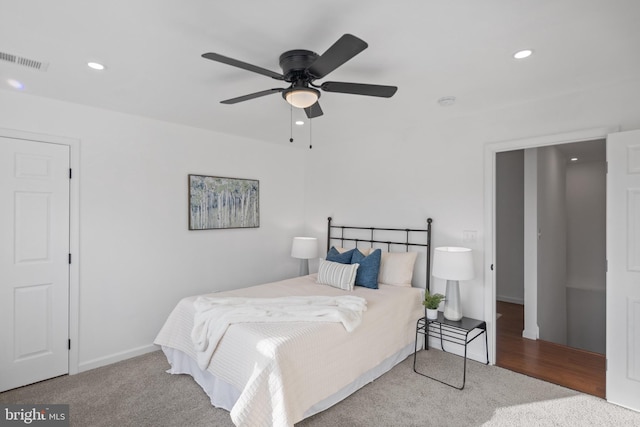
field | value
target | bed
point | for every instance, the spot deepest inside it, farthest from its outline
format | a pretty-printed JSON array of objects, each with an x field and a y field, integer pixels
[{"x": 278, "y": 373}]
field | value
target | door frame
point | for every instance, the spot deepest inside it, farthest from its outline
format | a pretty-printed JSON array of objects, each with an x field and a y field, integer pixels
[
  {"x": 74, "y": 231},
  {"x": 490, "y": 151}
]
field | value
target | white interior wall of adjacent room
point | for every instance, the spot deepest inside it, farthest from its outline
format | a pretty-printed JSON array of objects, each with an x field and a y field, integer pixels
[
  {"x": 586, "y": 255},
  {"x": 531, "y": 330},
  {"x": 365, "y": 173},
  {"x": 587, "y": 319},
  {"x": 137, "y": 256},
  {"x": 510, "y": 226},
  {"x": 552, "y": 245},
  {"x": 586, "y": 231}
]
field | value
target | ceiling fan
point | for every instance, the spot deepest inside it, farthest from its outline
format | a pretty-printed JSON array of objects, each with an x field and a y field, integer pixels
[{"x": 301, "y": 68}]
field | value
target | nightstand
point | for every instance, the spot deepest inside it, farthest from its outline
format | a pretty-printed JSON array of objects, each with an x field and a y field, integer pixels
[{"x": 460, "y": 332}]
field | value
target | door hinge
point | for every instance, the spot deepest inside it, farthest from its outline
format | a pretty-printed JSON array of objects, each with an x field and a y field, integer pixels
[
  {"x": 70, "y": 173},
  {"x": 69, "y": 258},
  {"x": 69, "y": 344}
]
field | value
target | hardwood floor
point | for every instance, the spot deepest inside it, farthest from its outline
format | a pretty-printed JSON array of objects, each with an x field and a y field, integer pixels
[{"x": 569, "y": 367}]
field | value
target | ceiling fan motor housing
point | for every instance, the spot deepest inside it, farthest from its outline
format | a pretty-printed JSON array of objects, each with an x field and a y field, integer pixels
[{"x": 294, "y": 64}]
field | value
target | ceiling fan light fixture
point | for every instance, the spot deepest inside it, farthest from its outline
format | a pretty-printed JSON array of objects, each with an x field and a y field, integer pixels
[{"x": 301, "y": 97}]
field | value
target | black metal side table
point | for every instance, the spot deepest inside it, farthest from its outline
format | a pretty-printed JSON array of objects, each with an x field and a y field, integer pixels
[{"x": 452, "y": 331}]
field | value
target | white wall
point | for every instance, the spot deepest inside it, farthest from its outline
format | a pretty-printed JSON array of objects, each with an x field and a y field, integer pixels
[
  {"x": 510, "y": 226},
  {"x": 586, "y": 231},
  {"x": 136, "y": 265},
  {"x": 586, "y": 255},
  {"x": 587, "y": 319},
  {"x": 530, "y": 244},
  {"x": 552, "y": 245},
  {"x": 434, "y": 167},
  {"x": 137, "y": 256}
]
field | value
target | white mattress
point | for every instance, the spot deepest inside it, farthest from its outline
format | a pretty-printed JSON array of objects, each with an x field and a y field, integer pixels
[{"x": 280, "y": 373}]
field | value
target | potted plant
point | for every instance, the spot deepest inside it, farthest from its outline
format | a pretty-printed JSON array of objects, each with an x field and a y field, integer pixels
[{"x": 431, "y": 302}]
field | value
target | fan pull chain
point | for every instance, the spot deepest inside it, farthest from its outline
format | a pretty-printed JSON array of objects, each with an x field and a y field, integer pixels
[
  {"x": 291, "y": 123},
  {"x": 310, "y": 134}
]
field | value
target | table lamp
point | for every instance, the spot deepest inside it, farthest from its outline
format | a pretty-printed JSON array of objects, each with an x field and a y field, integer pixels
[
  {"x": 453, "y": 264},
  {"x": 304, "y": 248}
]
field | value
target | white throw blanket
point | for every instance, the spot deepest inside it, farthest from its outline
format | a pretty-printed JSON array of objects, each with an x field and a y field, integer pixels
[{"x": 214, "y": 315}]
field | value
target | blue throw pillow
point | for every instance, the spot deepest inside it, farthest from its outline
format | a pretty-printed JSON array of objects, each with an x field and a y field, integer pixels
[
  {"x": 343, "y": 258},
  {"x": 367, "y": 274}
]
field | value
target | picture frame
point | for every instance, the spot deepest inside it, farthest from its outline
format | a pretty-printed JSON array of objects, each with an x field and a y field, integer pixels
[{"x": 220, "y": 202}]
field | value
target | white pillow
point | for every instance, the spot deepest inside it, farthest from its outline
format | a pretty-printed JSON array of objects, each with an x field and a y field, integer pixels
[
  {"x": 341, "y": 276},
  {"x": 365, "y": 251},
  {"x": 396, "y": 268}
]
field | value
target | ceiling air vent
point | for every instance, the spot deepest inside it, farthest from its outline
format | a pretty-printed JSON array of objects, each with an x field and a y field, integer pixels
[{"x": 25, "y": 62}]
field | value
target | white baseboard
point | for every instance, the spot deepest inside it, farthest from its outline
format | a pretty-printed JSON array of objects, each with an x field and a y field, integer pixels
[
  {"x": 531, "y": 334},
  {"x": 512, "y": 300},
  {"x": 117, "y": 357},
  {"x": 458, "y": 349}
]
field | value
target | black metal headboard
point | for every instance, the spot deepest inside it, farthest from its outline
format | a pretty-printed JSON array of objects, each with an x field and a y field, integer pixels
[{"x": 355, "y": 234}]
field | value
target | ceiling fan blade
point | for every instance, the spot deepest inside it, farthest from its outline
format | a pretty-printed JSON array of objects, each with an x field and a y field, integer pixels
[
  {"x": 314, "y": 111},
  {"x": 340, "y": 52},
  {"x": 359, "y": 89},
  {"x": 251, "y": 96},
  {"x": 235, "y": 63}
]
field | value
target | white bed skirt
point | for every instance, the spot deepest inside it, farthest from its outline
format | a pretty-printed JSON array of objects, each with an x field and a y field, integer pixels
[{"x": 224, "y": 395}]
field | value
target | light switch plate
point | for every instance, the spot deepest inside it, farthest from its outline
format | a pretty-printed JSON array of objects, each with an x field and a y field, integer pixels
[{"x": 469, "y": 236}]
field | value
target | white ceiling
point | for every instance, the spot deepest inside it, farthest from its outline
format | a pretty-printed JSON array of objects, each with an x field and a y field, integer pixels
[{"x": 427, "y": 48}]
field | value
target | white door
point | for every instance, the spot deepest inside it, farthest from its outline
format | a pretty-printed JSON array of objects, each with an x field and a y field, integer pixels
[
  {"x": 623, "y": 275},
  {"x": 34, "y": 261}
]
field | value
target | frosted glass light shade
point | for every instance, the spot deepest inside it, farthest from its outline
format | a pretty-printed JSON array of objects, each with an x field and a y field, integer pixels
[
  {"x": 304, "y": 247},
  {"x": 452, "y": 263},
  {"x": 302, "y": 98}
]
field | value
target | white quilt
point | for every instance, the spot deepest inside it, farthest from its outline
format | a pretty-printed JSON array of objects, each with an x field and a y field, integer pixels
[
  {"x": 282, "y": 369},
  {"x": 215, "y": 314}
]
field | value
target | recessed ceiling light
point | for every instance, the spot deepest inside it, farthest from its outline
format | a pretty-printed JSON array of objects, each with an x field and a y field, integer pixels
[
  {"x": 95, "y": 66},
  {"x": 299, "y": 122},
  {"x": 447, "y": 101},
  {"x": 15, "y": 84},
  {"x": 521, "y": 54},
  {"x": 574, "y": 159}
]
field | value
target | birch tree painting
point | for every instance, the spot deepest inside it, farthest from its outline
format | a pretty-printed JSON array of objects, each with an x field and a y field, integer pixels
[{"x": 216, "y": 202}]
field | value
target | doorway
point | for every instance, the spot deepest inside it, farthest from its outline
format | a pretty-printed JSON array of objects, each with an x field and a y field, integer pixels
[
  {"x": 622, "y": 250},
  {"x": 551, "y": 205}
]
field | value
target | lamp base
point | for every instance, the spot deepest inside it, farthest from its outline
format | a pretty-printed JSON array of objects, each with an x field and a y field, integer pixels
[
  {"x": 304, "y": 267},
  {"x": 452, "y": 307}
]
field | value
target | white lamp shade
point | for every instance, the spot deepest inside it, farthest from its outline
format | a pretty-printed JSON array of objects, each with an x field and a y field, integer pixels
[
  {"x": 304, "y": 247},
  {"x": 453, "y": 263}
]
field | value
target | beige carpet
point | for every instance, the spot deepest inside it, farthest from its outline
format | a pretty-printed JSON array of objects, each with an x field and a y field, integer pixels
[{"x": 138, "y": 392}]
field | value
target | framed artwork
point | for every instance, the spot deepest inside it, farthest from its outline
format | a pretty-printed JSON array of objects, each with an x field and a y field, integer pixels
[{"x": 218, "y": 202}]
